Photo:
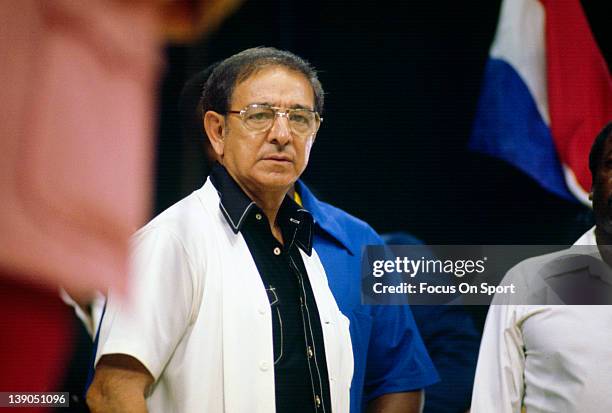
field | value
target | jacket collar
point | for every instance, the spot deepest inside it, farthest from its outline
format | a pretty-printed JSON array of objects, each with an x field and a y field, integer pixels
[{"x": 236, "y": 207}]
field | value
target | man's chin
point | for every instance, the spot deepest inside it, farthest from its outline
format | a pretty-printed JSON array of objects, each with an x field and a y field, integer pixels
[
  {"x": 276, "y": 175},
  {"x": 275, "y": 181}
]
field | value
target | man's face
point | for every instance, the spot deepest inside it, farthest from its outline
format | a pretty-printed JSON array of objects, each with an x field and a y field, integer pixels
[
  {"x": 602, "y": 190},
  {"x": 271, "y": 160}
]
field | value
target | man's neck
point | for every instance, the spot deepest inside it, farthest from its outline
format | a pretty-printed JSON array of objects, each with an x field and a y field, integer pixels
[
  {"x": 269, "y": 201},
  {"x": 270, "y": 204}
]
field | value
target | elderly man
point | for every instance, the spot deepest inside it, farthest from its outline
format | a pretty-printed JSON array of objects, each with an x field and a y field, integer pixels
[
  {"x": 391, "y": 364},
  {"x": 232, "y": 310},
  {"x": 555, "y": 358}
]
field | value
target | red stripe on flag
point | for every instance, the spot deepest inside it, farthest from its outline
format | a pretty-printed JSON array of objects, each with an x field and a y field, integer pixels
[{"x": 579, "y": 85}]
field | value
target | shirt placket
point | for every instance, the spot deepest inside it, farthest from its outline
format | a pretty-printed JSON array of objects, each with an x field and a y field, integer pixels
[
  {"x": 313, "y": 357},
  {"x": 310, "y": 347}
]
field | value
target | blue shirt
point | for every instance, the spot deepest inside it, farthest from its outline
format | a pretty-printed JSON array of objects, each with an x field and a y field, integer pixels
[
  {"x": 452, "y": 341},
  {"x": 389, "y": 354}
]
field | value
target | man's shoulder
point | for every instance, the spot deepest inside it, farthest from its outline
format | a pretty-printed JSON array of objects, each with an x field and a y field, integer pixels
[
  {"x": 528, "y": 267},
  {"x": 340, "y": 223},
  {"x": 182, "y": 219},
  {"x": 348, "y": 220},
  {"x": 532, "y": 277},
  {"x": 565, "y": 259}
]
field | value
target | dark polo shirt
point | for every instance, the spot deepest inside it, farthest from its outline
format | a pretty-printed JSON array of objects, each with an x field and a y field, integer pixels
[{"x": 300, "y": 368}]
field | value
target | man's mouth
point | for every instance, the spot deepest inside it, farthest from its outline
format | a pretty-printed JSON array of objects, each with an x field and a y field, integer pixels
[{"x": 278, "y": 158}]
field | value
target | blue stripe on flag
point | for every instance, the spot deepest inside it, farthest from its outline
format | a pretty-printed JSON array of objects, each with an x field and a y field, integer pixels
[{"x": 508, "y": 125}]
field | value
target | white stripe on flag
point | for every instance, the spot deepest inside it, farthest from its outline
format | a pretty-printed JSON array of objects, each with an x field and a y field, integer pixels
[{"x": 519, "y": 41}]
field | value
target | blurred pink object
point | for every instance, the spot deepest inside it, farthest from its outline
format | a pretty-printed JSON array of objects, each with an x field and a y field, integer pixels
[{"x": 77, "y": 83}]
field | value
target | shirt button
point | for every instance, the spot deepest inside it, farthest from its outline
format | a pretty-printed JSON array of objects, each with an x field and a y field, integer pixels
[
  {"x": 277, "y": 251},
  {"x": 258, "y": 217},
  {"x": 318, "y": 401},
  {"x": 309, "y": 352},
  {"x": 261, "y": 310},
  {"x": 263, "y": 366}
]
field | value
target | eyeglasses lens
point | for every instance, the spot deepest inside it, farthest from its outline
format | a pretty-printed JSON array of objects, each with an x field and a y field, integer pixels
[{"x": 259, "y": 118}]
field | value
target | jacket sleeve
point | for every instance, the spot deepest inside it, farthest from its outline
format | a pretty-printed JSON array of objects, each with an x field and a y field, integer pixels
[{"x": 148, "y": 323}]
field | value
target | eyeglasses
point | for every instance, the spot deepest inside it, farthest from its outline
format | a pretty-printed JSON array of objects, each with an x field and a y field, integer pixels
[{"x": 260, "y": 118}]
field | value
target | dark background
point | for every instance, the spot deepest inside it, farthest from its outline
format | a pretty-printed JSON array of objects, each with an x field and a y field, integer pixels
[{"x": 401, "y": 83}]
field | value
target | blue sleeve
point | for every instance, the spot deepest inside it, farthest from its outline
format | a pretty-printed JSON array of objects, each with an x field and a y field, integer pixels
[
  {"x": 453, "y": 342},
  {"x": 397, "y": 358}
]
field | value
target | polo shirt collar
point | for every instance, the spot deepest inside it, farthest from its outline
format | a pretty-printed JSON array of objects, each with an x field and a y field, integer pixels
[
  {"x": 300, "y": 221},
  {"x": 325, "y": 221},
  {"x": 236, "y": 206},
  {"x": 234, "y": 203}
]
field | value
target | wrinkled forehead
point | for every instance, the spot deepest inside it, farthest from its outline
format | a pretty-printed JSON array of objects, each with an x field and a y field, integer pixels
[{"x": 274, "y": 84}]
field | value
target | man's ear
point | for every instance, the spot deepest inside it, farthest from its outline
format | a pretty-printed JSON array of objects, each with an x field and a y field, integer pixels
[{"x": 214, "y": 125}]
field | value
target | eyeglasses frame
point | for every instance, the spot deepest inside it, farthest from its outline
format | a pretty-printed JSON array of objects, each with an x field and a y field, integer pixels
[{"x": 277, "y": 113}]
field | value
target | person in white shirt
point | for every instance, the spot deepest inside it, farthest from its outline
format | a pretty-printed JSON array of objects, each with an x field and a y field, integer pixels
[
  {"x": 554, "y": 358},
  {"x": 231, "y": 310}
]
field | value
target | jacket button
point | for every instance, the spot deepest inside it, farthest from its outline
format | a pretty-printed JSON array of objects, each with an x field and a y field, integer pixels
[
  {"x": 318, "y": 401},
  {"x": 277, "y": 251},
  {"x": 263, "y": 366}
]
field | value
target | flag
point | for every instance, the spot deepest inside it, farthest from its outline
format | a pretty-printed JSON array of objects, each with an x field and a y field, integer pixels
[{"x": 546, "y": 94}]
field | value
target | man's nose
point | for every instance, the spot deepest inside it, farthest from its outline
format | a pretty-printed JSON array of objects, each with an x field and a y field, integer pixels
[{"x": 280, "y": 132}]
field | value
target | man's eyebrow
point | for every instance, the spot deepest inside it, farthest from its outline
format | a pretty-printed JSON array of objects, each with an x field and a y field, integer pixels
[
  {"x": 298, "y": 106},
  {"x": 295, "y": 106}
]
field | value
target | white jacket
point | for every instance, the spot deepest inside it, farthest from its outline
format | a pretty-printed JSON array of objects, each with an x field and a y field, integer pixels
[{"x": 199, "y": 318}]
